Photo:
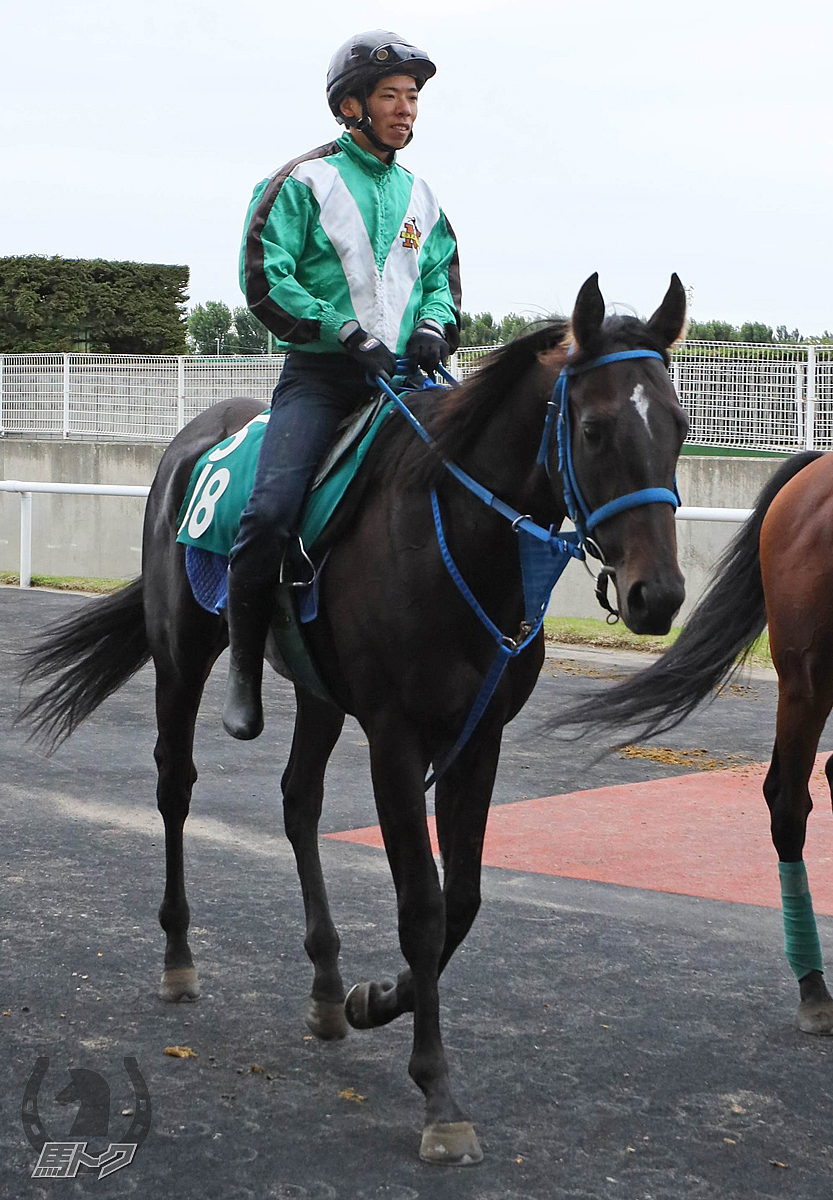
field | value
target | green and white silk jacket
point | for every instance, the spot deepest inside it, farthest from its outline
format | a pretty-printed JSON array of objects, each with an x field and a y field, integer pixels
[{"x": 337, "y": 236}]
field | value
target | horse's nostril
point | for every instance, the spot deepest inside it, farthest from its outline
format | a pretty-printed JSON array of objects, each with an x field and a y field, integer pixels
[{"x": 638, "y": 598}]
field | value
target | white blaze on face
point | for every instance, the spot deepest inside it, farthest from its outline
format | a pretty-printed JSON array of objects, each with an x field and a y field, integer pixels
[{"x": 640, "y": 402}]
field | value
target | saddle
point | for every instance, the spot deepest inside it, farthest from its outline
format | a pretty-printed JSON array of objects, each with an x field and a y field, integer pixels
[{"x": 209, "y": 518}]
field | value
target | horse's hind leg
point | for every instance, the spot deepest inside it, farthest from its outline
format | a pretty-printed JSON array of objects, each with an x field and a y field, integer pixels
[
  {"x": 180, "y": 679},
  {"x": 803, "y": 708},
  {"x": 317, "y": 729}
]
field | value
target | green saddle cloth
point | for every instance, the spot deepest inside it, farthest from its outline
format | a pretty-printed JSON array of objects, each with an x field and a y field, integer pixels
[
  {"x": 222, "y": 480},
  {"x": 209, "y": 519}
]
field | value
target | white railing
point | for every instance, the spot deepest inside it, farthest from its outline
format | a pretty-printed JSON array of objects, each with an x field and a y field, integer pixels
[
  {"x": 130, "y": 397},
  {"x": 27, "y": 489},
  {"x": 748, "y": 396},
  {"x": 772, "y": 396}
]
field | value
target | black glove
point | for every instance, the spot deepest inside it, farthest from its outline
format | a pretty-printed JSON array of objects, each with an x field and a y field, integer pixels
[
  {"x": 427, "y": 347},
  {"x": 373, "y": 355}
]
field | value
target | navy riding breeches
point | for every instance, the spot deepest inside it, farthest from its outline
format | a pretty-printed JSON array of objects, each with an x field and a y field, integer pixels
[{"x": 314, "y": 394}]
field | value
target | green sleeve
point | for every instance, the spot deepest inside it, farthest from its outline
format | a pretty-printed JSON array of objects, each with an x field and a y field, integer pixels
[
  {"x": 268, "y": 261},
  {"x": 440, "y": 275}
]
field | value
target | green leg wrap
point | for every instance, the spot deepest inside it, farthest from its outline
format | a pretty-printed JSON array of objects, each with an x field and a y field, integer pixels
[{"x": 801, "y": 938}]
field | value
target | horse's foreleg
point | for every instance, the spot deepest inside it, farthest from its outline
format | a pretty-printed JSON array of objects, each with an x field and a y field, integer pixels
[
  {"x": 398, "y": 765},
  {"x": 801, "y": 716},
  {"x": 317, "y": 729},
  {"x": 178, "y": 693},
  {"x": 462, "y": 807}
]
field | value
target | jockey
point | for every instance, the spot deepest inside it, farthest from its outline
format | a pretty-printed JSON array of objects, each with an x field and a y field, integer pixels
[{"x": 349, "y": 261}]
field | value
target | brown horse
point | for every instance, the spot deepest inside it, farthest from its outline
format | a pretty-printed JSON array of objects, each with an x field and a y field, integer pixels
[{"x": 778, "y": 570}]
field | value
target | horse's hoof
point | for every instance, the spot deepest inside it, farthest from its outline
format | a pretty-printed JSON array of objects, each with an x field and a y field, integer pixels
[
  {"x": 178, "y": 984},
  {"x": 325, "y": 1018},
  {"x": 450, "y": 1144},
  {"x": 357, "y": 1006},
  {"x": 357, "y": 1003},
  {"x": 816, "y": 1016}
]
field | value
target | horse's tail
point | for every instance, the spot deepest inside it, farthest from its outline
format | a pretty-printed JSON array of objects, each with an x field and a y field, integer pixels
[
  {"x": 84, "y": 658},
  {"x": 712, "y": 645}
]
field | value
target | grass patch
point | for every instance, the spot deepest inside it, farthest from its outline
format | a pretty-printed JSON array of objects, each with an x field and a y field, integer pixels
[
  {"x": 587, "y": 631},
  {"x": 68, "y": 583}
]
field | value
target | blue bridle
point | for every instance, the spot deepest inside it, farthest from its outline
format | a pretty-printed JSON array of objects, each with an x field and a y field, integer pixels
[
  {"x": 558, "y": 416},
  {"x": 543, "y": 553}
]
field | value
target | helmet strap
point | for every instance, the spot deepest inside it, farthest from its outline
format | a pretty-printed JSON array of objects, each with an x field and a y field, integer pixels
[{"x": 365, "y": 126}]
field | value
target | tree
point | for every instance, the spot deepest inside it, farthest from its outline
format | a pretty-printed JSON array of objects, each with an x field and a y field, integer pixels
[
  {"x": 252, "y": 335},
  {"x": 209, "y": 325},
  {"x": 756, "y": 331},
  {"x": 782, "y": 334},
  {"x": 712, "y": 331},
  {"x": 58, "y": 304},
  {"x": 479, "y": 330},
  {"x": 752, "y": 331},
  {"x": 512, "y": 326}
]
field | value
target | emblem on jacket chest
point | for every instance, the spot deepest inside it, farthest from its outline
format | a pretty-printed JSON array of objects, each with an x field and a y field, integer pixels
[{"x": 410, "y": 234}]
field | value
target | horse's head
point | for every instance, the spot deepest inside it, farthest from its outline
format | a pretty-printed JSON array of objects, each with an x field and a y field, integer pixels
[{"x": 623, "y": 432}]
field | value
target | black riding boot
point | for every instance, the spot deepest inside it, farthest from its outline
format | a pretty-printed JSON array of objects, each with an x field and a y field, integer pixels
[{"x": 249, "y": 614}]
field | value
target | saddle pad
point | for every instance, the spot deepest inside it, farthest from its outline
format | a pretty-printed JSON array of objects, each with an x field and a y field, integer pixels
[{"x": 222, "y": 480}]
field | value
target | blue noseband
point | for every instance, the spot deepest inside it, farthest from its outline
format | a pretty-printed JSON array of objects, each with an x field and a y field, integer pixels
[{"x": 558, "y": 411}]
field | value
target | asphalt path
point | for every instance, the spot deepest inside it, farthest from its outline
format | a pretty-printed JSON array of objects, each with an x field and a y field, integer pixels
[{"x": 608, "y": 1041}]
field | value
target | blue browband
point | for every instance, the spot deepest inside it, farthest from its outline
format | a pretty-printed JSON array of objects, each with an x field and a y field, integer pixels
[{"x": 558, "y": 415}]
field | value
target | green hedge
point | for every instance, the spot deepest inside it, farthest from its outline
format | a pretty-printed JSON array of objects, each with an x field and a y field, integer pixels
[{"x": 56, "y": 305}]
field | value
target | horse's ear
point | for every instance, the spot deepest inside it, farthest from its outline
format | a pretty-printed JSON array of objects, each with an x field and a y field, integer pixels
[
  {"x": 588, "y": 313},
  {"x": 668, "y": 323}
]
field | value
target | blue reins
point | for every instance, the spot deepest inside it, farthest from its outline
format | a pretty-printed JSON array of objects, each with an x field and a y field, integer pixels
[{"x": 543, "y": 553}]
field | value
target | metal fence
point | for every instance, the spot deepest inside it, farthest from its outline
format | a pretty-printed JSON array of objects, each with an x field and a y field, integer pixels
[{"x": 747, "y": 396}]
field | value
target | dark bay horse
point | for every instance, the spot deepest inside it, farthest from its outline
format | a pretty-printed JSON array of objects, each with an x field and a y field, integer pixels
[
  {"x": 398, "y": 646},
  {"x": 777, "y": 571}
]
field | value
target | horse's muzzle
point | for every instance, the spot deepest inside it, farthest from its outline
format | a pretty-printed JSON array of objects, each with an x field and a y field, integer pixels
[{"x": 649, "y": 606}]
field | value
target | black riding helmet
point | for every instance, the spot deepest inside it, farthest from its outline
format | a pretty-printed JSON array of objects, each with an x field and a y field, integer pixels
[{"x": 358, "y": 65}]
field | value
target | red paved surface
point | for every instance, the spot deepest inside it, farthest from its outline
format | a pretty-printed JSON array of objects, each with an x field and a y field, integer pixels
[{"x": 705, "y": 834}]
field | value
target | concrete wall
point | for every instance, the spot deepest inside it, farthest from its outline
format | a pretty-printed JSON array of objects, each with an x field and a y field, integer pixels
[
  {"x": 77, "y": 535},
  {"x": 101, "y": 535}
]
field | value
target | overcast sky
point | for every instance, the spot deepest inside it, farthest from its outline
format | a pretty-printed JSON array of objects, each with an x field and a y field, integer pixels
[{"x": 633, "y": 138}]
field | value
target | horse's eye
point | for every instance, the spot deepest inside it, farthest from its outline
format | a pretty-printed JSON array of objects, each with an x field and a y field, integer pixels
[{"x": 592, "y": 435}]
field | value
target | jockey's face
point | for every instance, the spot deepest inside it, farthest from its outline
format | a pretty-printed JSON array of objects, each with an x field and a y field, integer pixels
[{"x": 391, "y": 106}]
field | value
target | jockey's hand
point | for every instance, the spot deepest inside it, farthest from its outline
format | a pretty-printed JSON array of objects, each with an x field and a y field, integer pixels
[
  {"x": 366, "y": 349},
  {"x": 427, "y": 347}
]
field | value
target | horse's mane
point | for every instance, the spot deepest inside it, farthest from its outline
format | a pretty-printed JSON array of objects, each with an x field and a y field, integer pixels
[{"x": 456, "y": 419}]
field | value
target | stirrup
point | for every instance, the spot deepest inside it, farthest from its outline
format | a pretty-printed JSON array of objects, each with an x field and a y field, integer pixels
[{"x": 284, "y": 579}]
